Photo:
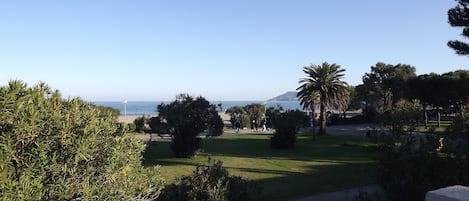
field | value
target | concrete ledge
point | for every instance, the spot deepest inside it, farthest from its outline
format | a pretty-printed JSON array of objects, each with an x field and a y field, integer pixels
[{"x": 450, "y": 193}]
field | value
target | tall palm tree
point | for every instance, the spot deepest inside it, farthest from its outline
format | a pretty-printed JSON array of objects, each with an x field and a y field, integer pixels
[{"x": 325, "y": 81}]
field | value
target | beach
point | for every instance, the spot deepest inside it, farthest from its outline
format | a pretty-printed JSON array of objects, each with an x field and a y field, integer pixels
[{"x": 131, "y": 118}]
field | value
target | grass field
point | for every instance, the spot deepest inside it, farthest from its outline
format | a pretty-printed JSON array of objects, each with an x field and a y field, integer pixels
[{"x": 315, "y": 165}]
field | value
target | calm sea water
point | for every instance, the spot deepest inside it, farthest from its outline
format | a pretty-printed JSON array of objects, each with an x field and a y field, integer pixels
[{"x": 149, "y": 107}]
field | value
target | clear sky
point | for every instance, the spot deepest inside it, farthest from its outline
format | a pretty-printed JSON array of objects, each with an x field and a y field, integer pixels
[{"x": 223, "y": 50}]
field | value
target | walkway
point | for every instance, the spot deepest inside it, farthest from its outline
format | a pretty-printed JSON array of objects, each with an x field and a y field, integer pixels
[
  {"x": 357, "y": 130},
  {"x": 345, "y": 195}
]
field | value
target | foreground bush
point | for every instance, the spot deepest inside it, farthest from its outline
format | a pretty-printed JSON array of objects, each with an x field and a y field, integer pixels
[
  {"x": 411, "y": 165},
  {"x": 212, "y": 183},
  {"x": 54, "y": 149}
]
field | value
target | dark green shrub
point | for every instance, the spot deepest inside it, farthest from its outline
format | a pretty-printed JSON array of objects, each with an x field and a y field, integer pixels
[
  {"x": 285, "y": 133},
  {"x": 209, "y": 183},
  {"x": 157, "y": 125},
  {"x": 183, "y": 146},
  {"x": 139, "y": 123},
  {"x": 56, "y": 149},
  {"x": 186, "y": 118},
  {"x": 460, "y": 126},
  {"x": 286, "y": 126},
  {"x": 131, "y": 127},
  {"x": 408, "y": 171},
  {"x": 408, "y": 176},
  {"x": 215, "y": 124}
]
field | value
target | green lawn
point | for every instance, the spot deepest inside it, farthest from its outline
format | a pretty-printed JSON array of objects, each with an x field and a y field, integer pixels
[{"x": 315, "y": 165}]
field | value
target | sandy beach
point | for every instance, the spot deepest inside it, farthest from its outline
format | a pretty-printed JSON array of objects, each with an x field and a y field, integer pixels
[{"x": 131, "y": 118}]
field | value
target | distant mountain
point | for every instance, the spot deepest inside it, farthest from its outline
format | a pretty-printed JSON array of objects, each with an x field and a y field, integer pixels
[{"x": 289, "y": 96}]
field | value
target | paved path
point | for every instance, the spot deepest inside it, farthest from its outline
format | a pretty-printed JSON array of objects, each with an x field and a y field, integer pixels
[
  {"x": 154, "y": 137},
  {"x": 345, "y": 195},
  {"x": 357, "y": 130}
]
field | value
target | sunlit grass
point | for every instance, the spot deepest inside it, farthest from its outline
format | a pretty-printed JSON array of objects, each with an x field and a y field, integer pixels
[{"x": 315, "y": 165}]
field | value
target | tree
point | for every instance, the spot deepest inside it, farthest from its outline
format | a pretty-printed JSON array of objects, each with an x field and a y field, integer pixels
[
  {"x": 385, "y": 85},
  {"x": 187, "y": 118},
  {"x": 255, "y": 111},
  {"x": 238, "y": 114},
  {"x": 442, "y": 91},
  {"x": 55, "y": 149},
  {"x": 459, "y": 17},
  {"x": 425, "y": 88},
  {"x": 326, "y": 80},
  {"x": 309, "y": 100},
  {"x": 457, "y": 89}
]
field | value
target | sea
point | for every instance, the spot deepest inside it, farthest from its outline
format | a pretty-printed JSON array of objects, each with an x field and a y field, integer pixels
[{"x": 149, "y": 107}]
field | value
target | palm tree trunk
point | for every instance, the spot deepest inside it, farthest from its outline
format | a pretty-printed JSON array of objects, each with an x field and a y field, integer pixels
[
  {"x": 313, "y": 114},
  {"x": 425, "y": 115},
  {"x": 322, "y": 119},
  {"x": 461, "y": 109}
]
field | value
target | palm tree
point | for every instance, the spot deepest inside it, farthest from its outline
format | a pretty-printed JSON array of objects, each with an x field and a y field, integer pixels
[
  {"x": 325, "y": 81},
  {"x": 309, "y": 99}
]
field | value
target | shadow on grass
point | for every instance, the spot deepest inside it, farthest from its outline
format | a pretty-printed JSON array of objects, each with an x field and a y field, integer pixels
[{"x": 315, "y": 165}]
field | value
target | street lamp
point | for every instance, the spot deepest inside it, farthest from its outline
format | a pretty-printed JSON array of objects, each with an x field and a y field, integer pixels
[{"x": 125, "y": 110}]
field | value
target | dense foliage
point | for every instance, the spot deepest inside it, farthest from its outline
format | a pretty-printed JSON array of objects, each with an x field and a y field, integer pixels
[
  {"x": 139, "y": 123},
  {"x": 55, "y": 149},
  {"x": 407, "y": 174},
  {"x": 186, "y": 118},
  {"x": 286, "y": 126},
  {"x": 405, "y": 116},
  {"x": 109, "y": 110},
  {"x": 212, "y": 183},
  {"x": 459, "y": 17},
  {"x": 159, "y": 125},
  {"x": 384, "y": 86},
  {"x": 245, "y": 115},
  {"x": 256, "y": 112},
  {"x": 238, "y": 115},
  {"x": 415, "y": 163},
  {"x": 270, "y": 113}
]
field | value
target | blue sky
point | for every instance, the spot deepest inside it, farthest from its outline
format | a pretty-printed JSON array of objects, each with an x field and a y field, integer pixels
[{"x": 222, "y": 50}]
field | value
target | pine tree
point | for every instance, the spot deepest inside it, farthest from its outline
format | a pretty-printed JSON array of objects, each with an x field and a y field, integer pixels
[{"x": 459, "y": 17}]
